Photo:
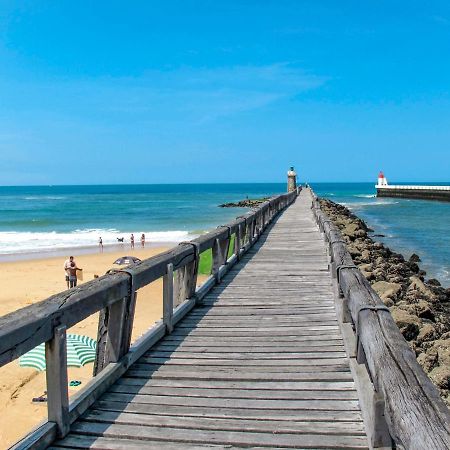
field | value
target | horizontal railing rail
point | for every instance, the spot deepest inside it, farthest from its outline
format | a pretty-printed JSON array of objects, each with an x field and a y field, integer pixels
[
  {"x": 416, "y": 416},
  {"x": 114, "y": 296}
]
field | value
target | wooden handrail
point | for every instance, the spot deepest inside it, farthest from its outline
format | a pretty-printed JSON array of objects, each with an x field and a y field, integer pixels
[
  {"x": 416, "y": 415},
  {"x": 114, "y": 295}
]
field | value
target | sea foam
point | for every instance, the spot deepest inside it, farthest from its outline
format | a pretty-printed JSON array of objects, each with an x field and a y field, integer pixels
[{"x": 12, "y": 242}]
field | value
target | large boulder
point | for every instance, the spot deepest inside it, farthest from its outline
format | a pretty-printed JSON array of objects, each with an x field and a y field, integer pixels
[
  {"x": 428, "y": 360},
  {"x": 418, "y": 286},
  {"x": 441, "y": 377},
  {"x": 414, "y": 258},
  {"x": 408, "y": 324},
  {"x": 365, "y": 256},
  {"x": 353, "y": 231},
  {"x": 385, "y": 289},
  {"x": 426, "y": 333}
]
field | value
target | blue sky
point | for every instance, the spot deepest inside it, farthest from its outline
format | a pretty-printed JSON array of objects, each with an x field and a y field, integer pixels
[{"x": 205, "y": 91}]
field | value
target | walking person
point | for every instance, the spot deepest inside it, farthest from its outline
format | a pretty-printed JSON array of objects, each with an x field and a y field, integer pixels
[
  {"x": 132, "y": 240},
  {"x": 142, "y": 240},
  {"x": 100, "y": 244}
]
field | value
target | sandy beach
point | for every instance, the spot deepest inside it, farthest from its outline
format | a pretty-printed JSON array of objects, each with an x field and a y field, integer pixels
[{"x": 26, "y": 282}]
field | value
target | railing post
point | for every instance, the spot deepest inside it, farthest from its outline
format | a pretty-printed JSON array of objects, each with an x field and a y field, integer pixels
[
  {"x": 56, "y": 374},
  {"x": 186, "y": 277},
  {"x": 258, "y": 221},
  {"x": 252, "y": 230},
  {"x": 219, "y": 256},
  {"x": 115, "y": 328},
  {"x": 168, "y": 299},
  {"x": 237, "y": 241},
  {"x": 381, "y": 436}
]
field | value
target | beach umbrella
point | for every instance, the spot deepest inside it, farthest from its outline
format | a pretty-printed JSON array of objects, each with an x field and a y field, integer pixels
[
  {"x": 80, "y": 351},
  {"x": 126, "y": 260}
]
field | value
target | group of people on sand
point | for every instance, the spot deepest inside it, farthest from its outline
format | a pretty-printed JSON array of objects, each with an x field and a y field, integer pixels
[
  {"x": 142, "y": 240},
  {"x": 71, "y": 268},
  {"x": 121, "y": 239}
]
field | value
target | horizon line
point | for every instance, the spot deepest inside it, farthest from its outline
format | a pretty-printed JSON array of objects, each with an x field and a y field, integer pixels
[{"x": 210, "y": 183}]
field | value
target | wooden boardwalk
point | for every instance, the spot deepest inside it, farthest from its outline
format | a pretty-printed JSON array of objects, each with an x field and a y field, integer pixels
[{"x": 260, "y": 364}]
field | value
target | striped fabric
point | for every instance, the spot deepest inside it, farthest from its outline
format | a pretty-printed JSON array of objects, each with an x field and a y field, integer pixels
[{"x": 80, "y": 351}]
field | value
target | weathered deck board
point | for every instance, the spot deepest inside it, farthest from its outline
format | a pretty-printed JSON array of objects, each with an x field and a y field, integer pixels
[{"x": 260, "y": 364}]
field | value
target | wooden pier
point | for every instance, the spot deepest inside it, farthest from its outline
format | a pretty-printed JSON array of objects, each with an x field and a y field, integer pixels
[{"x": 284, "y": 346}]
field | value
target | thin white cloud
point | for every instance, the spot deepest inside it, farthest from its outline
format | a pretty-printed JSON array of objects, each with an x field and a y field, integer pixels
[{"x": 182, "y": 94}]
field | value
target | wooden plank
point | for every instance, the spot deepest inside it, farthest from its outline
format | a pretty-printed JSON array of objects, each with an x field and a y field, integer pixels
[
  {"x": 325, "y": 331},
  {"x": 256, "y": 340},
  {"x": 275, "y": 320},
  {"x": 100, "y": 443},
  {"x": 219, "y": 437},
  {"x": 249, "y": 355},
  {"x": 325, "y": 373},
  {"x": 230, "y": 384},
  {"x": 279, "y": 348},
  {"x": 206, "y": 423},
  {"x": 239, "y": 393},
  {"x": 247, "y": 413},
  {"x": 255, "y": 362}
]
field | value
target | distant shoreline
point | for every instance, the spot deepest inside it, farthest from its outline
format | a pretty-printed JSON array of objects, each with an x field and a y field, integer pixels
[{"x": 82, "y": 250}]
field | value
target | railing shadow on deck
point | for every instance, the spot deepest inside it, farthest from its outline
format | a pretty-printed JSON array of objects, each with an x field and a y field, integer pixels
[{"x": 114, "y": 295}]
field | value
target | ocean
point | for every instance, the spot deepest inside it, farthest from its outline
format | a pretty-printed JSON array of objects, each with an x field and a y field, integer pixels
[
  {"x": 408, "y": 226},
  {"x": 40, "y": 219}
]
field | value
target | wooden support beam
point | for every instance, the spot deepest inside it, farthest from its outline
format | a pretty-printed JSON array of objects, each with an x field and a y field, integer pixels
[
  {"x": 57, "y": 385},
  {"x": 168, "y": 299},
  {"x": 219, "y": 256}
]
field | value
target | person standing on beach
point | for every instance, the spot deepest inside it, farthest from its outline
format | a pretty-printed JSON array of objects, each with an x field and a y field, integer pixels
[
  {"x": 142, "y": 240},
  {"x": 73, "y": 274},
  {"x": 100, "y": 244},
  {"x": 67, "y": 264},
  {"x": 132, "y": 240}
]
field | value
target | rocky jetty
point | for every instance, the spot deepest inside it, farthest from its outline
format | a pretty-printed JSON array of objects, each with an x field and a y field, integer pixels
[
  {"x": 419, "y": 306},
  {"x": 247, "y": 203}
]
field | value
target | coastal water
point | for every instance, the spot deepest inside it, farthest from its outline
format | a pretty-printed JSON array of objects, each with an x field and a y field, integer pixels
[
  {"x": 48, "y": 218},
  {"x": 55, "y": 217},
  {"x": 407, "y": 226}
]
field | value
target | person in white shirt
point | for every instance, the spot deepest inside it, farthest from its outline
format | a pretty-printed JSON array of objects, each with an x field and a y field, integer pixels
[{"x": 70, "y": 269}]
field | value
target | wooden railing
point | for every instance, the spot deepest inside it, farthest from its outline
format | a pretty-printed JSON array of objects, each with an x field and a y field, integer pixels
[
  {"x": 416, "y": 416},
  {"x": 114, "y": 295}
]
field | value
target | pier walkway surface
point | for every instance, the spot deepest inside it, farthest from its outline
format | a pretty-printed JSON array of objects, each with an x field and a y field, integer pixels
[{"x": 261, "y": 363}]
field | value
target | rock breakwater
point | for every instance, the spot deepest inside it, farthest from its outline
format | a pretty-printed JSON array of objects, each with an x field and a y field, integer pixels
[
  {"x": 419, "y": 306},
  {"x": 247, "y": 203}
]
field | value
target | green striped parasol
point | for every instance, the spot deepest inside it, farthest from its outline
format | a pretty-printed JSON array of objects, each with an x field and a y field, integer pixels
[{"x": 80, "y": 351}]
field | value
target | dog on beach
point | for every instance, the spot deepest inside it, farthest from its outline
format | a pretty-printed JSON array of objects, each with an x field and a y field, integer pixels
[{"x": 120, "y": 239}]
